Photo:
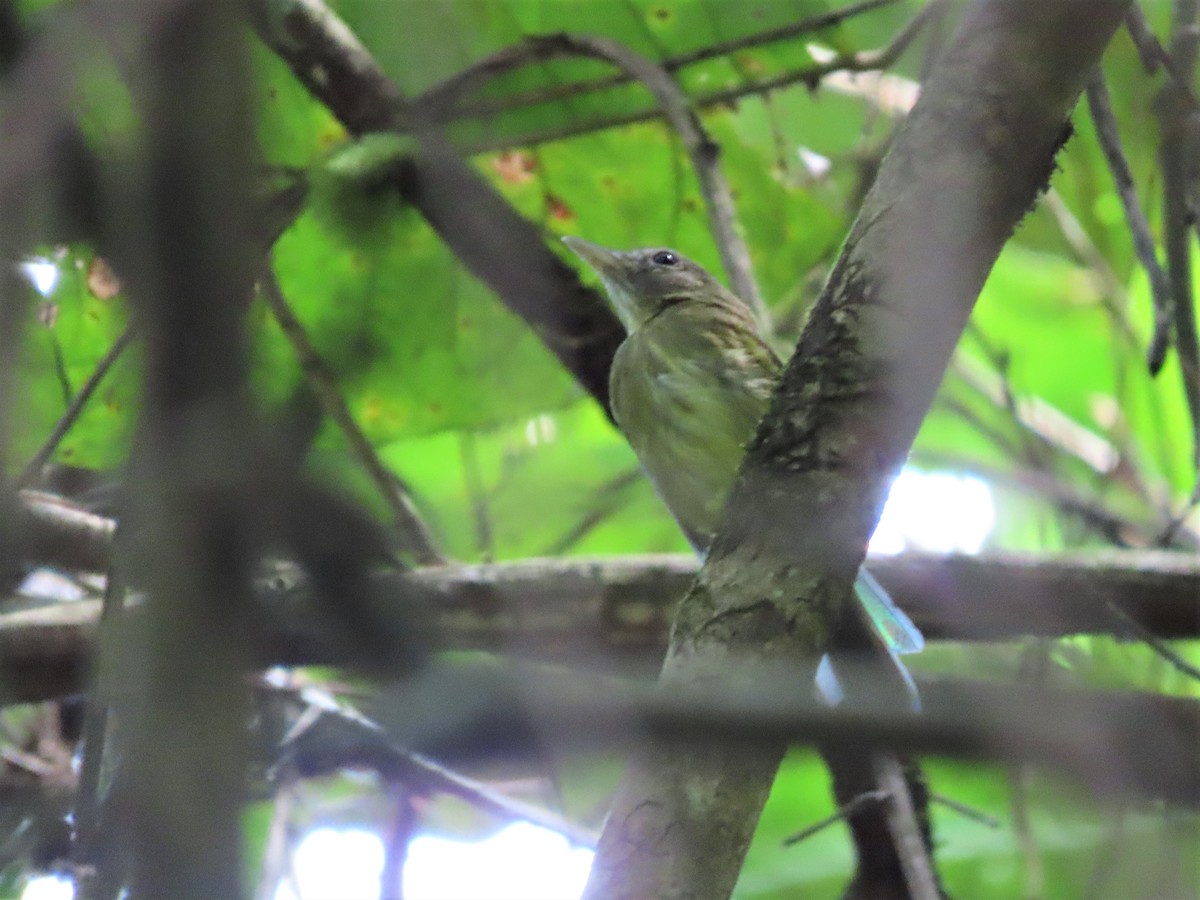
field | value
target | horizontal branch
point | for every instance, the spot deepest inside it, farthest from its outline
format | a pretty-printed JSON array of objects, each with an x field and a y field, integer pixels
[
  {"x": 620, "y": 607},
  {"x": 1100, "y": 739}
]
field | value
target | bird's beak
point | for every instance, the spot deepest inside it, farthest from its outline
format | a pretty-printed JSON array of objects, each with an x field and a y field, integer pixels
[
  {"x": 611, "y": 267},
  {"x": 604, "y": 261}
]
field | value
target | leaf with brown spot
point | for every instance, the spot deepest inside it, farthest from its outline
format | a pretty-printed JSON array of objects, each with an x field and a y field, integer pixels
[
  {"x": 558, "y": 208},
  {"x": 515, "y": 166}
]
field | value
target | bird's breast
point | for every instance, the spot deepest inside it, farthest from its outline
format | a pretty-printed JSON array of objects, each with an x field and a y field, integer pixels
[{"x": 688, "y": 417}]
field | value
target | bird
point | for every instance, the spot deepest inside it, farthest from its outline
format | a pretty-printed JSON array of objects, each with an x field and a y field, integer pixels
[{"x": 688, "y": 386}]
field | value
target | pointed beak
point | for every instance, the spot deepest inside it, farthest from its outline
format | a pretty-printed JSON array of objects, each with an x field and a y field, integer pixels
[
  {"x": 612, "y": 267},
  {"x": 606, "y": 262}
]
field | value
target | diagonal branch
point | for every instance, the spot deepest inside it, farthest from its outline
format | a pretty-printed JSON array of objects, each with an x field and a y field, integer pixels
[
  {"x": 701, "y": 148},
  {"x": 414, "y": 534},
  {"x": 811, "y": 76},
  {"x": 1176, "y": 113},
  {"x": 33, "y": 469},
  {"x": 501, "y": 247},
  {"x": 445, "y": 99},
  {"x": 1143, "y": 243}
]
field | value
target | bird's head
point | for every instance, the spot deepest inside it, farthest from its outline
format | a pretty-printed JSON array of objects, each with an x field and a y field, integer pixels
[{"x": 640, "y": 283}]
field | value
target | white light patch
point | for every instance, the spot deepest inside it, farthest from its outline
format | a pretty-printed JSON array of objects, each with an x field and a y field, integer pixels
[
  {"x": 47, "y": 584},
  {"x": 42, "y": 274},
  {"x": 540, "y": 430},
  {"x": 938, "y": 512},
  {"x": 342, "y": 863},
  {"x": 48, "y": 887},
  {"x": 820, "y": 53},
  {"x": 519, "y": 862},
  {"x": 815, "y": 164}
]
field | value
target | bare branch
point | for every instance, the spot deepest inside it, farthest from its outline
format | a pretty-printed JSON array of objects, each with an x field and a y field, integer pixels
[
  {"x": 619, "y": 608},
  {"x": 702, "y": 150},
  {"x": 33, "y": 469},
  {"x": 1176, "y": 108},
  {"x": 1139, "y": 227},
  {"x": 1097, "y": 738},
  {"x": 444, "y": 100},
  {"x": 902, "y": 821},
  {"x": 61, "y": 533},
  {"x": 862, "y": 61},
  {"x": 1149, "y": 50}
]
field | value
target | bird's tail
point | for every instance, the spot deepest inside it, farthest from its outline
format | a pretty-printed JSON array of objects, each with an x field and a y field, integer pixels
[{"x": 889, "y": 627}]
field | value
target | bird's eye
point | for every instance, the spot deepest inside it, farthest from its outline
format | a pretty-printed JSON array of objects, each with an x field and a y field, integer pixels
[{"x": 665, "y": 258}]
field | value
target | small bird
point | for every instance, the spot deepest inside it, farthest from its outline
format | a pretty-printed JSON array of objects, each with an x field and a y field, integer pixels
[{"x": 688, "y": 386}]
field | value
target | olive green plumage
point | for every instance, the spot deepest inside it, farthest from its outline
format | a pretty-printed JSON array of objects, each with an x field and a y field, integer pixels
[
  {"x": 690, "y": 382},
  {"x": 688, "y": 387}
]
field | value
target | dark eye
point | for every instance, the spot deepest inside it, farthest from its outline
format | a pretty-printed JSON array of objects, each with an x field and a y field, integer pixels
[{"x": 665, "y": 258}]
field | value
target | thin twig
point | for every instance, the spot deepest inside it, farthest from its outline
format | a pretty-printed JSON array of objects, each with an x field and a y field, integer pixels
[
  {"x": 603, "y": 503},
  {"x": 844, "y": 813},
  {"x": 967, "y": 812},
  {"x": 400, "y": 831},
  {"x": 370, "y": 744},
  {"x": 481, "y": 516},
  {"x": 1046, "y": 485},
  {"x": 1110, "y": 288},
  {"x": 703, "y": 151},
  {"x": 1139, "y": 227},
  {"x": 863, "y": 61},
  {"x": 1031, "y": 671},
  {"x": 1153, "y": 641},
  {"x": 1176, "y": 524},
  {"x": 277, "y": 854},
  {"x": 1149, "y": 50},
  {"x": 321, "y": 379},
  {"x": 1174, "y": 110},
  {"x": 444, "y": 96},
  {"x": 906, "y": 830},
  {"x": 33, "y": 469},
  {"x": 1153, "y": 55}
]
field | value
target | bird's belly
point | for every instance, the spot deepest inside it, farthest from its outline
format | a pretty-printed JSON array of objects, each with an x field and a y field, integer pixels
[{"x": 689, "y": 448}]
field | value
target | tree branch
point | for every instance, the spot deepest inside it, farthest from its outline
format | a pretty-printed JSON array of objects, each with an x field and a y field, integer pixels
[
  {"x": 501, "y": 247},
  {"x": 970, "y": 159},
  {"x": 862, "y": 61},
  {"x": 1097, "y": 738},
  {"x": 444, "y": 100},
  {"x": 701, "y": 148},
  {"x": 1176, "y": 114},
  {"x": 619, "y": 608},
  {"x": 1143, "y": 243}
]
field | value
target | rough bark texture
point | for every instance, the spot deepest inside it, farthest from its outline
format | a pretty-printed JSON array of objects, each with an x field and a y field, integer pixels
[{"x": 966, "y": 165}]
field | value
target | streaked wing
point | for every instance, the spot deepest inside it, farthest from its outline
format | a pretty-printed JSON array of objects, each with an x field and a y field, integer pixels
[{"x": 688, "y": 388}]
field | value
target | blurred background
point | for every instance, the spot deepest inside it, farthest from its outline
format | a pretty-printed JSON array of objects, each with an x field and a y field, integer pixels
[{"x": 411, "y": 363}]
